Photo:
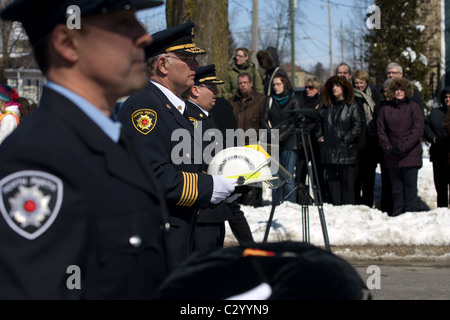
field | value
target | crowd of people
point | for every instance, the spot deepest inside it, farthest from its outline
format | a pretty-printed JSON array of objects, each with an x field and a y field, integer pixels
[
  {"x": 351, "y": 127},
  {"x": 96, "y": 204}
]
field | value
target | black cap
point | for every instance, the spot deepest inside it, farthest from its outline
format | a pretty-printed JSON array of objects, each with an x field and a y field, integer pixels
[
  {"x": 38, "y": 18},
  {"x": 179, "y": 39},
  {"x": 293, "y": 270},
  {"x": 207, "y": 75}
]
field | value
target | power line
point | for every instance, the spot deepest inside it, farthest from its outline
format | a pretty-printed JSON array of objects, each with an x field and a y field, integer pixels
[
  {"x": 343, "y": 5},
  {"x": 240, "y": 5}
]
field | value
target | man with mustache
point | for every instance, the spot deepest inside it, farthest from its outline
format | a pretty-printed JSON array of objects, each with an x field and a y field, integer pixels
[{"x": 154, "y": 116}]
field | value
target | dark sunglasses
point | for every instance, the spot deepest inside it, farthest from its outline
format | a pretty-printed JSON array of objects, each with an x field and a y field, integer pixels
[
  {"x": 310, "y": 87},
  {"x": 212, "y": 88}
]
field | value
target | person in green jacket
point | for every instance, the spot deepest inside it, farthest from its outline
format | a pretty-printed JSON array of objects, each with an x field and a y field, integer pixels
[{"x": 241, "y": 64}]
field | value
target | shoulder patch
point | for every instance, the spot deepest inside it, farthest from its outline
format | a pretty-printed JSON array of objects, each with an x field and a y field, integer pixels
[
  {"x": 30, "y": 201},
  {"x": 144, "y": 120}
]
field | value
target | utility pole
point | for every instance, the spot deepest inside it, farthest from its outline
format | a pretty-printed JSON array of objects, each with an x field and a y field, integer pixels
[
  {"x": 342, "y": 43},
  {"x": 292, "y": 43},
  {"x": 255, "y": 31},
  {"x": 330, "y": 35}
]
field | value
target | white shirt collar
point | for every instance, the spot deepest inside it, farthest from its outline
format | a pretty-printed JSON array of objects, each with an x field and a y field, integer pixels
[
  {"x": 107, "y": 125},
  {"x": 201, "y": 109},
  {"x": 176, "y": 101}
]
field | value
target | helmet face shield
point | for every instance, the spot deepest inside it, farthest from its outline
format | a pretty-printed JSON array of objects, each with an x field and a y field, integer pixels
[
  {"x": 250, "y": 165},
  {"x": 280, "y": 174}
]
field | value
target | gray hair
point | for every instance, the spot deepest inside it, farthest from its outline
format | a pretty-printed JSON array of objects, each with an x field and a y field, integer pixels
[
  {"x": 394, "y": 65},
  {"x": 150, "y": 65},
  {"x": 343, "y": 64}
]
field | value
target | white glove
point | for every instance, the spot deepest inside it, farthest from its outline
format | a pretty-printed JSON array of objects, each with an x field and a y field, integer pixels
[{"x": 222, "y": 188}]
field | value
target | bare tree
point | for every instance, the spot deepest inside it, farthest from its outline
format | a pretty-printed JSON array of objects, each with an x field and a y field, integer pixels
[
  {"x": 5, "y": 29},
  {"x": 16, "y": 50},
  {"x": 275, "y": 31},
  {"x": 353, "y": 37},
  {"x": 274, "y": 28},
  {"x": 211, "y": 28}
]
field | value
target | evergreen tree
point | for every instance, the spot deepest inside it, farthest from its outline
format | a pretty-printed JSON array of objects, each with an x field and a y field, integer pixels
[
  {"x": 320, "y": 72},
  {"x": 399, "y": 40}
]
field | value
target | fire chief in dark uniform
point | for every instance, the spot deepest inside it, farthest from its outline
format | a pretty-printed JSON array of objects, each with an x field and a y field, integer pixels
[
  {"x": 81, "y": 217},
  {"x": 154, "y": 116}
]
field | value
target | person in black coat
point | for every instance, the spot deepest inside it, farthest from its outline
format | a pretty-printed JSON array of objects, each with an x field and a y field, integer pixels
[
  {"x": 154, "y": 116},
  {"x": 82, "y": 216},
  {"x": 268, "y": 60},
  {"x": 369, "y": 147},
  {"x": 440, "y": 147},
  {"x": 279, "y": 114},
  {"x": 311, "y": 100},
  {"x": 342, "y": 122}
]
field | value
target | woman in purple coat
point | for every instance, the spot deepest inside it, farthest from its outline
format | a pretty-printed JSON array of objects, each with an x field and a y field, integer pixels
[{"x": 400, "y": 128}]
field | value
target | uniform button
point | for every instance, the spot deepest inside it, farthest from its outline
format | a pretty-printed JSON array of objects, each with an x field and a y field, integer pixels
[
  {"x": 136, "y": 241},
  {"x": 188, "y": 155}
]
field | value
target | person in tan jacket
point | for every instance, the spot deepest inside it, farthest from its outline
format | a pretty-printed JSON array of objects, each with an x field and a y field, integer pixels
[{"x": 247, "y": 109}]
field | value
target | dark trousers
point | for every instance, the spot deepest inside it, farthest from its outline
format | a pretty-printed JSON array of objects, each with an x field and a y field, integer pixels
[
  {"x": 239, "y": 226},
  {"x": 386, "y": 189},
  {"x": 302, "y": 171},
  {"x": 209, "y": 236},
  {"x": 404, "y": 189},
  {"x": 441, "y": 176},
  {"x": 365, "y": 178},
  {"x": 341, "y": 183}
]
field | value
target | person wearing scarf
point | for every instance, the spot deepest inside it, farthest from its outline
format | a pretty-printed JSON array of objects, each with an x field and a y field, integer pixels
[{"x": 279, "y": 114}]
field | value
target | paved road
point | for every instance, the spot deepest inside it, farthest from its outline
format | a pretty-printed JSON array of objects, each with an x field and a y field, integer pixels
[{"x": 406, "y": 280}]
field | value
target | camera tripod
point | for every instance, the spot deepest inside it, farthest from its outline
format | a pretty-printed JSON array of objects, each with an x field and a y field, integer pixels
[{"x": 305, "y": 199}]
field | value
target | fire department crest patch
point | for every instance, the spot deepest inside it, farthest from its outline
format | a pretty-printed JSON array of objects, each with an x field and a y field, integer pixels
[
  {"x": 144, "y": 120},
  {"x": 30, "y": 201}
]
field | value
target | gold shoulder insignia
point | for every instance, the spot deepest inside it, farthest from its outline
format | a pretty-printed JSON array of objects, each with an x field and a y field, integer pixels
[
  {"x": 193, "y": 121},
  {"x": 144, "y": 120}
]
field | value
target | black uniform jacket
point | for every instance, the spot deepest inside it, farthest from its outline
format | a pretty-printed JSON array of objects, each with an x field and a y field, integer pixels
[
  {"x": 212, "y": 141},
  {"x": 167, "y": 142},
  {"x": 81, "y": 219}
]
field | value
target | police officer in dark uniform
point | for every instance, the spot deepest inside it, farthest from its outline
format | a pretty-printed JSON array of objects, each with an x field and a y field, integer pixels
[
  {"x": 82, "y": 217},
  {"x": 200, "y": 99},
  {"x": 154, "y": 116}
]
